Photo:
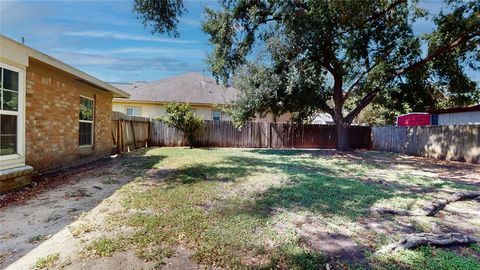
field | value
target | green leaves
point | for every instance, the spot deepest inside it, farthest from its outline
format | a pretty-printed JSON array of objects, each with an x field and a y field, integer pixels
[
  {"x": 160, "y": 15},
  {"x": 183, "y": 118},
  {"x": 300, "y": 56}
]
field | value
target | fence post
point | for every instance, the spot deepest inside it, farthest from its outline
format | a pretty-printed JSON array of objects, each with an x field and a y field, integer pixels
[
  {"x": 133, "y": 135},
  {"x": 119, "y": 138},
  {"x": 269, "y": 135}
]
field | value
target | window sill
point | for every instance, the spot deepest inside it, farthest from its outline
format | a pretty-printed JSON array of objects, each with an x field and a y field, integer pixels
[
  {"x": 85, "y": 146},
  {"x": 10, "y": 157}
]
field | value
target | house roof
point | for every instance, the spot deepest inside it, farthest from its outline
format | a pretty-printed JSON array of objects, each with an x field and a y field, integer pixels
[
  {"x": 7, "y": 44},
  {"x": 193, "y": 88},
  {"x": 323, "y": 119},
  {"x": 457, "y": 110}
]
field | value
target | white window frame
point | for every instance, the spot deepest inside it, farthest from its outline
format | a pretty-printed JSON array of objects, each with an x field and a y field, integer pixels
[
  {"x": 20, "y": 113},
  {"x": 213, "y": 115},
  {"x": 87, "y": 121},
  {"x": 133, "y": 108}
]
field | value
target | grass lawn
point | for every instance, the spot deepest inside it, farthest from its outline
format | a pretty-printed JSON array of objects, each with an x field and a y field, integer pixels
[{"x": 248, "y": 208}]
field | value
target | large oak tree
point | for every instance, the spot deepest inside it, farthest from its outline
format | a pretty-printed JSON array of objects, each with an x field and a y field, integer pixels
[
  {"x": 336, "y": 56},
  {"x": 339, "y": 56}
]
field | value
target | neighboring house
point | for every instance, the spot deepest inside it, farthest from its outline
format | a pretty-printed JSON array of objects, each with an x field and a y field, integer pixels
[
  {"x": 456, "y": 116},
  {"x": 323, "y": 119},
  {"x": 51, "y": 114},
  {"x": 203, "y": 94}
]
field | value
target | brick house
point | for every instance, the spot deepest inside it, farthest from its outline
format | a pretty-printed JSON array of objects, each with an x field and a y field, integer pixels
[{"x": 51, "y": 114}]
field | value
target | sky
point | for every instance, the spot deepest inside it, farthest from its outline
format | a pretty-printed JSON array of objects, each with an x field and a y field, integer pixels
[{"x": 105, "y": 39}]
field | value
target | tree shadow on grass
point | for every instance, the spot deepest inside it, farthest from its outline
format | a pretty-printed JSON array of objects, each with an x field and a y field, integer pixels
[
  {"x": 308, "y": 185},
  {"x": 304, "y": 185}
]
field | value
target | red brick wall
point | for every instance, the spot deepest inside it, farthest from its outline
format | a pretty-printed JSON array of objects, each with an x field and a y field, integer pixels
[{"x": 52, "y": 126}]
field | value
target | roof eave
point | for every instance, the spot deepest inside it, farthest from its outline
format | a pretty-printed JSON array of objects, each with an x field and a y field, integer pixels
[
  {"x": 456, "y": 110},
  {"x": 122, "y": 100}
]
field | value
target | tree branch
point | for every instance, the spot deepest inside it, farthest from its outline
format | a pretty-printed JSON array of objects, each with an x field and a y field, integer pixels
[
  {"x": 380, "y": 14},
  {"x": 376, "y": 16},
  {"x": 415, "y": 240},
  {"x": 452, "y": 45},
  {"x": 444, "y": 49},
  {"x": 362, "y": 104},
  {"x": 355, "y": 85}
]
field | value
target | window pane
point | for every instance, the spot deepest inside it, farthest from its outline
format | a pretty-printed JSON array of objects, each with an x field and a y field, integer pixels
[
  {"x": 86, "y": 109},
  {"x": 10, "y": 100},
  {"x": 133, "y": 111},
  {"x": 8, "y": 134},
  {"x": 10, "y": 80},
  {"x": 8, "y": 145},
  {"x": 216, "y": 115},
  {"x": 85, "y": 134}
]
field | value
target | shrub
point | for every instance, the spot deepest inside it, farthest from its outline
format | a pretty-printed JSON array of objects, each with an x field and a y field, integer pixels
[{"x": 182, "y": 117}]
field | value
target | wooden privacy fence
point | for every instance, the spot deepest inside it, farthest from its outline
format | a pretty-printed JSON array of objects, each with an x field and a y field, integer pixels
[
  {"x": 460, "y": 143},
  {"x": 260, "y": 135},
  {"x": 129, "y": 132}
]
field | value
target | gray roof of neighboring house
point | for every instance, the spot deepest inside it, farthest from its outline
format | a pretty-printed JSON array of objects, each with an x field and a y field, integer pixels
[
  {"x": 186, "y": 88},
  {"x": 323, "y": 119}
]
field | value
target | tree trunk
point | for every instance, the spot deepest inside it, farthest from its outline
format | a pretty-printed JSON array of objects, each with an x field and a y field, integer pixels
[{"x": 343, "y": 135}]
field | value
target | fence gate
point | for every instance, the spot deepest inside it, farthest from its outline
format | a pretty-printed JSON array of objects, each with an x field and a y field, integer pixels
[{"x": 129, "y": 132}]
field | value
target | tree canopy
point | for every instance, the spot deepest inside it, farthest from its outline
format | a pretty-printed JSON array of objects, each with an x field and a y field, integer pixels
[
  {"x": 338, "y": 56},
  {"x": 160, "y": 15}
]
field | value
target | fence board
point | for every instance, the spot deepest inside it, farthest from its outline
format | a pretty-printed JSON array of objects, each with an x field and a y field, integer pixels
[
  {"x": 260, "y": 135},
  {"x": 460, "y": 142},
  {"x": 129, "y": 133}
]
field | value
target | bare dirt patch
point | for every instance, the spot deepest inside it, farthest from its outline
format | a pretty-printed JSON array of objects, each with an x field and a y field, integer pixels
[
  {"x": 314, "y": 202},
  {"x": 38, "y": 223}
]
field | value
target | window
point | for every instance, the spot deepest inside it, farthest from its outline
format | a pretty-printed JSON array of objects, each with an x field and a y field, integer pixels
[
  {"x": 216, "y": 115},
  {"x": 85, "y": 135},
  {"x": 134, "y": 111},
  {"x": 9, "y": 113}
]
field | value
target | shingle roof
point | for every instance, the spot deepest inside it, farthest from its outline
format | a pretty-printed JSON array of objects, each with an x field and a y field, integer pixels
[
  {"x": 474, "y": 108},
  {"x": 186, "y": 88}
]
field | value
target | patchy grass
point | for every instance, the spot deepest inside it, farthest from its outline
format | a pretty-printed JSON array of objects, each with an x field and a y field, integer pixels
[
  {"x": 237, "y": 208},
  {"x": 81, "y": 229},
  {"x": 48, "y": 261},
  {"x": 155, "y": 254},
  {"x": 110, "y": 181},
  {"x": 475, "y": 247},
  {"x": 104, "y": 247},
  {"x": 427, "y": 258}
]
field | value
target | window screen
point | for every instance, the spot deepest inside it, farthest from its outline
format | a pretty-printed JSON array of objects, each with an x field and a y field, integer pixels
[
  {"x": 9, "y": 87},
  {"x": 85, "y": 134}
]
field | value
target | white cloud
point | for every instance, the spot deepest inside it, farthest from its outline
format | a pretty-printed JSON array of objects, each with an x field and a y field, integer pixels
[
  {"x": 120, "y": 63},
  {"x": 166, "y": 52},
  {"x": 122, "y": 36}
]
